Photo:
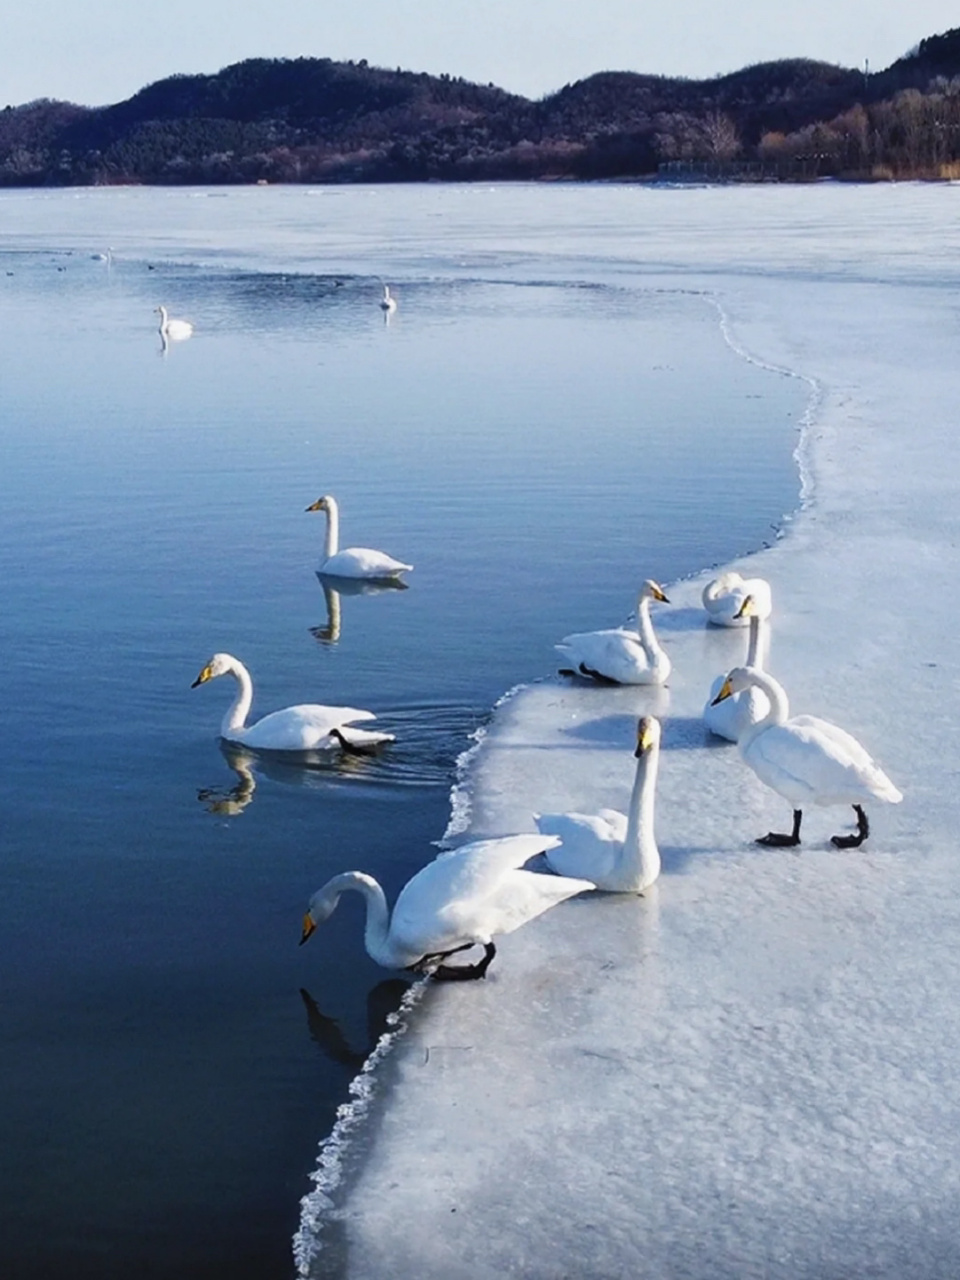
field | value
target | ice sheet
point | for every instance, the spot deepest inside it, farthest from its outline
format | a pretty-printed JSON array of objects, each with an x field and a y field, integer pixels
[{"x": 752, "y": 1071}]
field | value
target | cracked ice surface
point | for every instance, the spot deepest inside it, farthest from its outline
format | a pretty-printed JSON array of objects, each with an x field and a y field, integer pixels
[{"x": 752, "y": 1071}]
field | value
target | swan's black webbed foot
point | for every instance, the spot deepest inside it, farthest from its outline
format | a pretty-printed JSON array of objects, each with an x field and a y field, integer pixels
[
  {"x": 354, "y": 748},
  {"x": 857, "y": 839},
  {"x": 780, "y": 839},
  {"x": 596, "y": 675},
  {"x": 466, "y": 972},
  {"x": 566, "y": 671}
]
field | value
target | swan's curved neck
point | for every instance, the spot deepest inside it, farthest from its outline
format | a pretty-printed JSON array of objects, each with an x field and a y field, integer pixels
[
  {"x": 757, "y": 646},
  {"x": 641, "y": 857},
  {"x": 332, "y": 542},
  {"x": 376, "y": 933},
  {"x": 163, "y": 319},
  {"x": 779, "y": 705},
  {"x": 236, "y": 715},
  {"x": 648, "y": 637}
]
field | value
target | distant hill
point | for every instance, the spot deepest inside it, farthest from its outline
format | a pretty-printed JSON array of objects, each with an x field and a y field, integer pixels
[{"x": 315, "y": 120}]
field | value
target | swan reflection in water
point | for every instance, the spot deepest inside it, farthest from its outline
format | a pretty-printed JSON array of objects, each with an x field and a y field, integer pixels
[
  {"x": 334, "y": 588},
  {"x": 382, "y": 1001}
]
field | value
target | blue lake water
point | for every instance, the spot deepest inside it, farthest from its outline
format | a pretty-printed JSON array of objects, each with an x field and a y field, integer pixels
[{"x": 534, "y": 443}]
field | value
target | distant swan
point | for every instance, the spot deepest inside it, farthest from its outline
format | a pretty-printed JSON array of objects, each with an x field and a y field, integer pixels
[
  {"x": 387, "y": 303},
  {"x": 618, "y": 853},
  {"x": 723, "y": 597},
  {"x": 807, "y": 760},
  {"x": 175, "y": 330},
  {"x": 620, "y": 656},
  {"x": 461, "y": 899},
  {"x": 729, "y": 718},
  {"x": 307, "y": 727},
  {"x": 352, "y": 562}
]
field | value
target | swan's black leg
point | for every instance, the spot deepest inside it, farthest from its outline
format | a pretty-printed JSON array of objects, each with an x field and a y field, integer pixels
[
  {"x": 856, "y": 840},
  {"x": 353, "y": 748},
  {"x": 780, "y": 839},
  {"x": 596, "y": 675},
  {"x": 566, "y": 671},
  {"x": 466, "y": 972}
]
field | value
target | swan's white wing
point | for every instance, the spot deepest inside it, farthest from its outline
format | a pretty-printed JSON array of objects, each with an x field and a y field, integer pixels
[
  {"x": 590, "y": 844},
  {"x": 474, "y": 892},
  {"x": 807, "y": 766},
  {"x": 616, "y": 654},
  {"x": 363, "y": 562},
  {"x": 845, "y": 748},
  {"x": 300, "y": 728}
]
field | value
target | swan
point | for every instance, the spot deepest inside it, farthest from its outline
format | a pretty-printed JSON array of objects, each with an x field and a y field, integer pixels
[
  {"x": 723, "y": 597},
  {"x": 620, "y": 656},
  {"x": 175, "y": 330},
  {"x": 461, "y": 899},
  {"x": 618, "y": 853},
  {"x": 807, "y": 760},
  {"x": 729, "y": 718},
  {"x": 387, "y": 303},
  {"x": 352, "y": 562},
  {"x": 307, "y": 727}
]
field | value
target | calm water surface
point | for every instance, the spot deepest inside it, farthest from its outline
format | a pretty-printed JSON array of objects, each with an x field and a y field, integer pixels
[{"x": 534, "y": 446}]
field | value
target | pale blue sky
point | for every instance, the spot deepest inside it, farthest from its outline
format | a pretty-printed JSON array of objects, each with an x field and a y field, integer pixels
[{"x": 101, "y": 51}]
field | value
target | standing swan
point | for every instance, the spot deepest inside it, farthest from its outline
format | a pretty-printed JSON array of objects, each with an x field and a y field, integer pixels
[
  {"x": 352, "y": 562},
  {"x": 307, "y": 727},
  {"x": 387, "y": 304},
  {"x": 617, "y": 853},
  {"x": 459, "y": 900},
  {"x": 807, "y": 760},
  {"x": 175, "y": 330},
  {"x": 729, "y": 718},
  {"x": 724, "y": 596},
  {"x": 620, "y": 656}
]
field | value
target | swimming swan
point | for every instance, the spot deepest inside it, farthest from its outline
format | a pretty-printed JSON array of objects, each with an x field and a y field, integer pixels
[
  {"x": 352, "y": 562},
  {"x": 723, "y": 597},
  {"x": 461, "y": 899},
  {"x": 620, "y": 656},
  {"x": 807, "y": 760},
  {"x": 729, "y": 718},
  {"x": 175, "y": 330},
  {"x": 618, "y": 853},
  {"x": 387, "y": 303},
  {"x": 308, "y": 727}
]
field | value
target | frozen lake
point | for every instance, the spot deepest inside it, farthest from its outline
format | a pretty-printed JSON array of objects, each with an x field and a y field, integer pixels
[{"x": 537, "y": 430}]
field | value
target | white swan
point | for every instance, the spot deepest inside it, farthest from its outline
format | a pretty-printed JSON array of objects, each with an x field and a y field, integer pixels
[
  {"x": 175, "y": 330},
  {"x": 461, "y": 899},
  {"x": 619, "y": 655},
  {"x": 618, "y": 853},
  {"x": 724, "y": 596},
  {"x": 387, "y": 304},
  {"x": 308, "y": 727},
  {"x": 352, "y": 562},
  {"x": 807, "y": 760},
  {"x": 729, "y": 718}
]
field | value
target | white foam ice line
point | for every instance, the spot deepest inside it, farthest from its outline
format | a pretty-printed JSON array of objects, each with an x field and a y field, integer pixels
[
  {"x": 461, "y": 793},
  {"x": 750, "y": 1072}
]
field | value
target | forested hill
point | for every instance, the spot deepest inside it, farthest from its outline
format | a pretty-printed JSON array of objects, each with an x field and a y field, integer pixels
[{"x": 314, "y": 120}]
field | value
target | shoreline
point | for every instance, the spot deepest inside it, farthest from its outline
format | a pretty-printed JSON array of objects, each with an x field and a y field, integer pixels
[{"x": 720, "y": 1071}]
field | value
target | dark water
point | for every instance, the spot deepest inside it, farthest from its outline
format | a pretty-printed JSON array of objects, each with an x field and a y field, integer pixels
[{"x": 169, "y": 1058}]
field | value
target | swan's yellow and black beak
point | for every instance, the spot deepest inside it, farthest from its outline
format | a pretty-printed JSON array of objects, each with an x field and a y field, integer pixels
[
  {"x": 645, "y": 736},
  {"x": 748, "y": 609},
  {"x": 726, "y": 691},
  {"x": 658, "y": 593},
  {"x": 308, "y": 928},
  {"x": 205, "y": 675},
  {"x": 319, "y": 505}
]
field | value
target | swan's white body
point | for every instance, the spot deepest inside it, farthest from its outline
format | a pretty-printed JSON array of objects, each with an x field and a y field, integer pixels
[
  {"x": 803, "y": 758},
  {"x": 352, "y": 562},
  {"x": 308, "y": 727},
  {"x": 387, "y": 303},
  {"x": 616, "y": 852},
  {"x": 731, "y": 717},
  {"x": 723, "y": 599},
  {"x": 618, "y": 654},
  {"x": 462, "y": 898},
  {"x": 175, "y": 330}
]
